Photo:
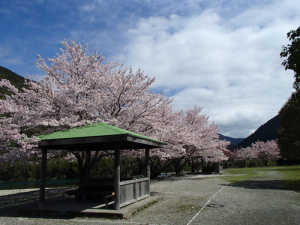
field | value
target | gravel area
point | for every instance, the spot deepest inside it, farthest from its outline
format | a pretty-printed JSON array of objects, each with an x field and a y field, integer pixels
[{"x": 194, "y": 199}]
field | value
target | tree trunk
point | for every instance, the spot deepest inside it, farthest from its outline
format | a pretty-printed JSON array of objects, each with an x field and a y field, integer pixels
[
  {"x": 179, "y": 164},
  {"x": 157, "y": 166},
  {"x": 86, "y": 163}
]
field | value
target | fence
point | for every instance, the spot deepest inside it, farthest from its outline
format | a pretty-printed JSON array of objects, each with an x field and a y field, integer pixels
[{"x": 134, "y": 190}]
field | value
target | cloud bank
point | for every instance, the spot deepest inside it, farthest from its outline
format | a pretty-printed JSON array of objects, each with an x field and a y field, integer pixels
[
  {"x": 229, "y": 65},
  {"x": 222, "y": 55}
]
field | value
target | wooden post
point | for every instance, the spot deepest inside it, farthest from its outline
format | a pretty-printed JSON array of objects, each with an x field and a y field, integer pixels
[
  {"x": 43, "y": 179},
  {"x": 88, "y": 166},
  {"x": 117, "y": 178},
  {"x": 193, "y": 165},
  {"x": 148, "y": 168},
  {"x": 135, "y": 189}
]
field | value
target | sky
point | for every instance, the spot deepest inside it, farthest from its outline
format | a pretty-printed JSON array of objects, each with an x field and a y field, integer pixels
[{"x": 222, "y": 55}]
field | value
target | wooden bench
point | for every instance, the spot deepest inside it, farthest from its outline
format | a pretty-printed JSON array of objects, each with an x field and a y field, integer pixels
[
  {"x": 209, "y": 170},
  {"x": 108, "y": 198},
  {"x": 214, "y": 169},
  {"x": 85, "y": 195},
  {"x": 93, "y": 190}
]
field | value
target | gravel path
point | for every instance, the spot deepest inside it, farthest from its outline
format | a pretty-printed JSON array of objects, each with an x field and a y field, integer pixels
[{"x": 200, "y": 200}]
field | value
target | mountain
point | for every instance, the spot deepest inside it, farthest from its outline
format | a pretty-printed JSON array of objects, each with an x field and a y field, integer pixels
[
  {"x": 265, "y": 132},
  {"x": 15, "y": 79},
  {"x": 233, "y": 141}
]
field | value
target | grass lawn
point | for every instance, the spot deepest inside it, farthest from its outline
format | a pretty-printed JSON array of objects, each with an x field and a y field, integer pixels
[{"x": 291, "y": 174}]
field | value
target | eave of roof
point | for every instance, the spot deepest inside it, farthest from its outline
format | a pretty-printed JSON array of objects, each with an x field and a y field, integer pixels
[{"x": 98, "y": 135}]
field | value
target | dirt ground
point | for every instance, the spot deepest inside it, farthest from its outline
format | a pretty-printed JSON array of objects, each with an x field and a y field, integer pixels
[{"x": 189, "y": 200}]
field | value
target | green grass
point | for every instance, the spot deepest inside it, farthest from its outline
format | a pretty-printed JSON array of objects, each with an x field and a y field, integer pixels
[
  {"x": 188, "y": 207},
  {"x": 291, "y": 175},
  {"x": 237, "y": 175},
  {"x": 147, "y": 206}
]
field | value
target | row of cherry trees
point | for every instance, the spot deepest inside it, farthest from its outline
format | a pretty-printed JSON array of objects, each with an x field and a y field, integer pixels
[
  {"x": 268, "y": 150},
  {"x": 80, "y": 89}
]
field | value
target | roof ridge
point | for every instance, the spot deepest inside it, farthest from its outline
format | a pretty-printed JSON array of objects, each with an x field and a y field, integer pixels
[
  {"x": 114, "y": 128},
  {"x": 117, "y": 129}
]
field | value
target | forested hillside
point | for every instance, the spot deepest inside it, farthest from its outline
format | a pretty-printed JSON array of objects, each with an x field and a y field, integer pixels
[
  {"x": 233, "y": 141},
  {"x": 266, "y": 132},
  {"x": 15, "y": 79}
]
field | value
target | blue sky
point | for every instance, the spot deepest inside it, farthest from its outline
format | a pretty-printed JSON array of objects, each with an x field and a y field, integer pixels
[{"x": 222, "y": 55}]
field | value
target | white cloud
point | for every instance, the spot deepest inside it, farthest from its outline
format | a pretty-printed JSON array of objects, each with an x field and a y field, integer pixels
[
  {"x": 222, "y": 55},
  {"x": 229, "y": 67},
  {"x": 7, "y": 56}
]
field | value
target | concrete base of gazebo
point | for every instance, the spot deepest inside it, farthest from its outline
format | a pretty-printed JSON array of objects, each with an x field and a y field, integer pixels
[{"x": 69, "y": 208}]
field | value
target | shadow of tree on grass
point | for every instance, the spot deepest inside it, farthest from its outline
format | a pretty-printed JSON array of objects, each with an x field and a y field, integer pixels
[{"x": 261, "y": 184}]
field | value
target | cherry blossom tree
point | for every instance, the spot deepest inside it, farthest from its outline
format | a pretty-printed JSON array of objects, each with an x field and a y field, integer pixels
[
  {"x": 246, "y": 153},
  {"x": 81, "y": 88},
  {"x": 189, "y": 135},
  {"x": 268, "y": 150},
  {"x": 200, "y": 139}
]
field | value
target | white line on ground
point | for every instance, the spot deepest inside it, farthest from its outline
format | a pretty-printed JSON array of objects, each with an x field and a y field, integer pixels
[{"x": 205, "y": 205}]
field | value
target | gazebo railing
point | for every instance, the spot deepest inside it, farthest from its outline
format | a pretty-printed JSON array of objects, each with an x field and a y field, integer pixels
[{"x": 134, "y": 190}]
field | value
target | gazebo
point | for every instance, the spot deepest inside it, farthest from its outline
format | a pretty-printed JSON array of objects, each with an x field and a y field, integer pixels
[{"x": 101, "y": 136}]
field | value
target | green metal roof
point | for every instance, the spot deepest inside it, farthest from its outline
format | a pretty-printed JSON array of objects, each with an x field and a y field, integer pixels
[{"x": 93, "y": 130}]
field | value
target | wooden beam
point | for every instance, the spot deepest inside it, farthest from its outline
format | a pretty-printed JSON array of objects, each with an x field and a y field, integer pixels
[
  {"x": 117, "y": 178},
  {"x": 148, "y": 171},
  {"x": 84, "y": 140},
  {"x": 43, "y": 179},
  {"x": 145, "y": 142}
]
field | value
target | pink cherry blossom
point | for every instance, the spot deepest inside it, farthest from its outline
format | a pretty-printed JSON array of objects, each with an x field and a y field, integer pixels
[
  {"x": 81, "y": 88},
  {"x": 268, "y": 150}
]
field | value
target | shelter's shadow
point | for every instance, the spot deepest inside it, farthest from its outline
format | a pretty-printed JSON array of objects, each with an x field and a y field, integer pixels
[{"x": 12, "y": 204}]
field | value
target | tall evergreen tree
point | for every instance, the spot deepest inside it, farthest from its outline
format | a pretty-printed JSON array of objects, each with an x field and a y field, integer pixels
[
  {"x": 289, "y": 134},
  {"x": 292, "y": 54}
]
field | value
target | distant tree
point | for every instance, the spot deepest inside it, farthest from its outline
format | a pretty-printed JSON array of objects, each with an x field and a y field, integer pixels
[
  {"x": 191, "y": 135},
  {"x": 266, "y": 150},
  {"x": 260, "y": 150},
  {"x": 246, "y": 153},
  {"x": 292, "y": 53},
  {"x": 289, "y": 134}
]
